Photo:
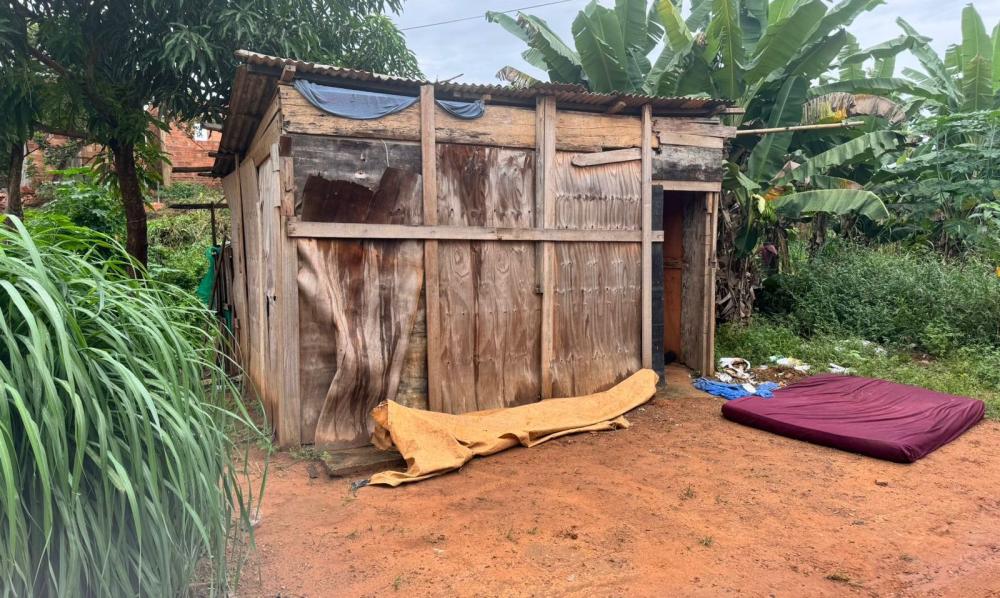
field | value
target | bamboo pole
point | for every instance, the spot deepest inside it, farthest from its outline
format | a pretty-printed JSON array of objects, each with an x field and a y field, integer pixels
[{"x": 841, "y": 125}]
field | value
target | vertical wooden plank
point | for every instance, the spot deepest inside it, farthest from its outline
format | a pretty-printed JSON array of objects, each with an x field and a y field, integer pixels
[
  {"x": 659, "y": 277},
  {"x": 711, "y": 233},
  {"x": 255, "y": 294},
  {"x": 432, "y": 298},
  {"x": 287, "y": 264},
  {"x": 231, "y": 187},
  {"x": 647, "y": 236},
  {"x": 545, "y": 204},
  {"x": 271, "y": 373}
]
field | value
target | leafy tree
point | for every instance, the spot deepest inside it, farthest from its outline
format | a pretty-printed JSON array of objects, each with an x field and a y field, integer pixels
[{"x": 122, "y": 62}]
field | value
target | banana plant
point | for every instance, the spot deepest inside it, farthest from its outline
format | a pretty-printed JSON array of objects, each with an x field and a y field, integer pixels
[{"x": 966, "y": 79}]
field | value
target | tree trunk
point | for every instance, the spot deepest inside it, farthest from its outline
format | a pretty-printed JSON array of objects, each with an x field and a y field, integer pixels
[
  {"x": 15, "y": 163},
  {"x": 136, "y": 241}
]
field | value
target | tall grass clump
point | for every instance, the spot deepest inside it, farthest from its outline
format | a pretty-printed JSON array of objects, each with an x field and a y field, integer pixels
[
  {"x": 890, "y": 295},
  {"x": 117, "y": 473}
]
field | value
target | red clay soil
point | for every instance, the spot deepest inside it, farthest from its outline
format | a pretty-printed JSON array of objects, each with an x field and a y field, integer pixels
[{"x": 682, "y": 503}]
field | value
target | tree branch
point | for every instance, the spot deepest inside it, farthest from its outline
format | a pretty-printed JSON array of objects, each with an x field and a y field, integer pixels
[{"x": 63, "y": 132}]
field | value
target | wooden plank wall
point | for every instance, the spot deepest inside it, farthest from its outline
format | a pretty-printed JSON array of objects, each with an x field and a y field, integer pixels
[
  {"x": 597, "y": 336},
  {"x": 490, "y": 313},
  {"x": 500, "y": 126}
]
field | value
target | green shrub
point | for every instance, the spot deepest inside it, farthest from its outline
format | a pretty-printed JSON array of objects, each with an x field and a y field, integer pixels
[
  {"x": 177, "y": 244},
  {"x": 890, "y": 295},
  {"x": 81, "y": 201},
  {"x": 117, "y": 473}
]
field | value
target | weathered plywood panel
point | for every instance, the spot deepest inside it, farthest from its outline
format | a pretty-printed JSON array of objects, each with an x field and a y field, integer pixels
[
  {"x": 684, "y": 163},
  {"x": 354, "y": 161},
  {"x": 597, "y": 312},
  {"x": 673, "y": 270},
  {"x": 365, "y": 293},
  {"x": 607, "y": 196},
  {"x": 489, "y": 310},
  {"x": 597, "y": 316},
  {"x": 358, "y": 302}
]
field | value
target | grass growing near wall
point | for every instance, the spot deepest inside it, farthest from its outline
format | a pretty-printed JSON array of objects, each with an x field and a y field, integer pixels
[{"x": 117, "y": 473}]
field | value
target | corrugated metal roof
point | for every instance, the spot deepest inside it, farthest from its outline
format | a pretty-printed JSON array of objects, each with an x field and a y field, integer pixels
[{"x": 254, "y": 86}]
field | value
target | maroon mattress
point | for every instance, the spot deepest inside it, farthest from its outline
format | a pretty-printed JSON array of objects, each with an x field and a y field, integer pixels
[{"x": 873, "y": 417}]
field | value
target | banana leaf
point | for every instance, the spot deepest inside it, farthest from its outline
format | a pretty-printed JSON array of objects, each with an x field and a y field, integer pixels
[
  {"x": 631, "y": 15},
  {"x": 881, "y": 86},
  {"x": 679, "y": 37},
  {"x": 769, "y": 153},
  {"x": 785, "y": 39},
  {"x": 563, "y": 63},
  {"x": 701, "y": 11},
  {"x": 753, "y": 22},
  {"x": 872, "y": 144},
  {"x": 598, "y": 37},
  {"x": 816, "y": 59},
  {"x": 725, "y": 31},
  {"x": 843, "y": 14},
  {"x": 977, "y": 68},
  {"x": 884, "y": 50},
  {"x": 839, "y": 202},
  {"x": 928, "y": 58}
]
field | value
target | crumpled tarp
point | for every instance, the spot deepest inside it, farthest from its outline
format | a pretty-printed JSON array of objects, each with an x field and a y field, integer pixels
[
  {"x": 369, "y": 105},
  {"x": 736, "y": 391},
  {"x": 434, "y": 443}
]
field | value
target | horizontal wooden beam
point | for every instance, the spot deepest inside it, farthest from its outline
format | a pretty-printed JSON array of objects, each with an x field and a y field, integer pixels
[
  {"x": 707, "y": 186},
  {"x": 349, "y": 230},
  {"x": 608, "y": 157}
]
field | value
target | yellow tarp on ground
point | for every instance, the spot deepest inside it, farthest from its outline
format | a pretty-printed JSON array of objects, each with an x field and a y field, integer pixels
[{"x": 434, "y": 443}]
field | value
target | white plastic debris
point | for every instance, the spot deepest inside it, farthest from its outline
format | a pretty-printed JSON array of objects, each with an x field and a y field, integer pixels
[
  {"x": 790, "y": 362},
  {"x": 839, "y": 369}
]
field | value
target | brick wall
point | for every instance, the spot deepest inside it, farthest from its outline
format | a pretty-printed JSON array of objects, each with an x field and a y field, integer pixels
[{"x": 185, "y": 150}]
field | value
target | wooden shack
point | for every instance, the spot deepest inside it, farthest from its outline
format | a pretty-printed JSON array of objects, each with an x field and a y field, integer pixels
[{"x": 549, "y": 247}]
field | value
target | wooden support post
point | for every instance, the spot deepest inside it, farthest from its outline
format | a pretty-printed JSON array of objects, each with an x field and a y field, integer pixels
[
  {"x": 432, "y": 297},
  {"x": 711, "y": 231},
  {"x": 287, "y": 264},
  {"x": 545, "y": 205},
  {"x": 659, "y": 277},
  {"x": 647, "y": 236}
]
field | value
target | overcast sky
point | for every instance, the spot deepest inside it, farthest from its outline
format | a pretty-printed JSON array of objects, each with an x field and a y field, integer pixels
[{"x": 477, "y": 49}]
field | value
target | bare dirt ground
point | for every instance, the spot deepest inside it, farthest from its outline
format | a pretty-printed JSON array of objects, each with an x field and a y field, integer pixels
[{"x": 682, "y": 503}]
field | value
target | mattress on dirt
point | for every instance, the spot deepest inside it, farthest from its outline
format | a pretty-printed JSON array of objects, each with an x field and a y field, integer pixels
[{"x": 881, "y": 419}]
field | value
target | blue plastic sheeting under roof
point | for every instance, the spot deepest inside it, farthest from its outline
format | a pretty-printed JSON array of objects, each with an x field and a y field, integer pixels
[{"x": 369, "y": 105}]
